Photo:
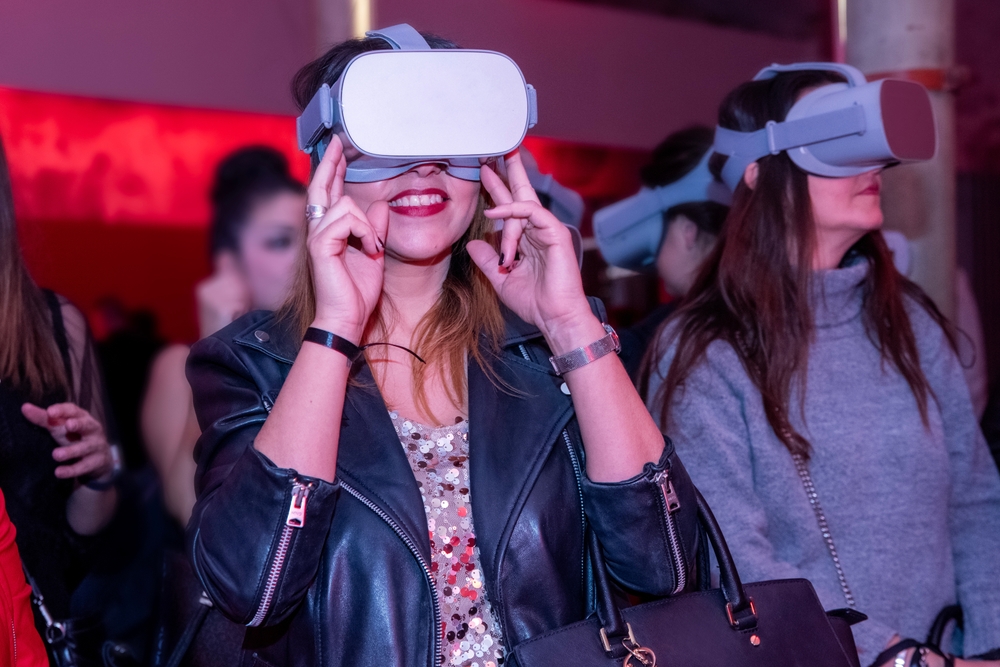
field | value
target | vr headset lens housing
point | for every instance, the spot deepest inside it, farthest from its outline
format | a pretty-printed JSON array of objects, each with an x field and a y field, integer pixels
[
  {"x": 400, "y": 108},
  {"x": 840, "y": 129}
]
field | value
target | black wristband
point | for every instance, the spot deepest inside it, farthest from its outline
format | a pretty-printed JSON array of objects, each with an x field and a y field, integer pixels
[
  {"x": 97, "y": 485},
  {"x": 334, "y": 342}
]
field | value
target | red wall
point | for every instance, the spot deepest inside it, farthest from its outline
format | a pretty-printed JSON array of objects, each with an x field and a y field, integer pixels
[{"x": 111, "y": 197}]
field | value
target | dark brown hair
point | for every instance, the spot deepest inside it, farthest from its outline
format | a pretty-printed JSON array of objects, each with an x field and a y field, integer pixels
[
  {"x": 467, "y": 312},
  {"x": 753, "y": 290},
  {"x": 29, "y": 357},
  {"x": 245, "y": 178}
]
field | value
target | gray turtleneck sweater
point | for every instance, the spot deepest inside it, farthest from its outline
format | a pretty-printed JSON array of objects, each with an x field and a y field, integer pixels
[{"x": 914, "y": 511}]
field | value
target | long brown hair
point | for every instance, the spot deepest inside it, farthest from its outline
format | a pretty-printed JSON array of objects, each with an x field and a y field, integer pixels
[
  {"x": 466, "y": 319},
  {"x": 753, "y": 291},
  {"x": 29, "y": 357}
]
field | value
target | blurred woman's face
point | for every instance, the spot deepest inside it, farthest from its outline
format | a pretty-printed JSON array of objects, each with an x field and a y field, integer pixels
[
  {"x": 681, "y": 254},
  {"x": 269, "y": 247},
  {"x": 848, "y": 206},
  {"x": 429, "y": 211}
]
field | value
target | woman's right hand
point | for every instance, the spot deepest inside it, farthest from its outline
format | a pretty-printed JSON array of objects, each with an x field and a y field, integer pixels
[{"x": 347, "y": 276}]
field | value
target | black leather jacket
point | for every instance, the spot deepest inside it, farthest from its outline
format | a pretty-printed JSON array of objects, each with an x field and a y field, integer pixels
[{"x": 337, "y": 573}]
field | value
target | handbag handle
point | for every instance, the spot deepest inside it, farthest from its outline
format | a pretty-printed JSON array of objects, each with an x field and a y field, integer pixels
[{"x": 739, "y": 607}]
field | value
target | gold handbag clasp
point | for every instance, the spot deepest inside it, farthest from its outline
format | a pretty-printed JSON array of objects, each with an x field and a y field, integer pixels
[{"x": 643, "y": 656}]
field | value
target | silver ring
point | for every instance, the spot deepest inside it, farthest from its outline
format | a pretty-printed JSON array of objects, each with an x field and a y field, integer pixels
[{"x": 315, "y": 211}]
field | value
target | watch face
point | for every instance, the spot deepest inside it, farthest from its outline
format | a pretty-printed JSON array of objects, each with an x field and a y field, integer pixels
[{"x": 614, "y": 337}]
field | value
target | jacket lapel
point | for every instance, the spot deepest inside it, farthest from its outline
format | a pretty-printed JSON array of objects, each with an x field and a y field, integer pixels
[
  {"x": 512, "y": 430},
  {"x": 372, "y": 461},
  {"x": 511, "y": 433}
]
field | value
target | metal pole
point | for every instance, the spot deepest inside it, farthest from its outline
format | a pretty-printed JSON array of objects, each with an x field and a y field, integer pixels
[
  {"x": 900, "y": 36},
  {"x": 340, "y": 20}
]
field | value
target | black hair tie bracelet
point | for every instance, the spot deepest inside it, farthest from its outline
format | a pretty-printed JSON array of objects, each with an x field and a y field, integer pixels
[
  {"x": 345, "y": 347},
  {"x": 334, "y": 342}
]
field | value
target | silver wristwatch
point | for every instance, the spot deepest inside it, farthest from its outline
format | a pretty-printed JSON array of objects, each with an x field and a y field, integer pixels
[{"x": 582, "y": 356}]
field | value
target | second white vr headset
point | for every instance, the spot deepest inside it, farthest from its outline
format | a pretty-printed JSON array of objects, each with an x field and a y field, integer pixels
[
  {"x": 629, "y": 232},
  {"x": 839, "y": 129},
  {"x": 415, "y": 105}
]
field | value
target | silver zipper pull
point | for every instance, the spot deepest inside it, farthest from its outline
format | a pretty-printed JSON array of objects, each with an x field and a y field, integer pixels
[
  {"x": 669, "y": 494},
  {"x": 297, "y": 509}
]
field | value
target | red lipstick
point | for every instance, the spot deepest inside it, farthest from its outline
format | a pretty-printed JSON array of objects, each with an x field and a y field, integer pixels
[{"x": 414, "y": 209}]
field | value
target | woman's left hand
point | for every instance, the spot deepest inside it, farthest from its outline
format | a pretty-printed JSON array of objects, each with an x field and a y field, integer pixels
[
  {"x": 536, "y": 273},
  {"x": 83, "y": 447}
]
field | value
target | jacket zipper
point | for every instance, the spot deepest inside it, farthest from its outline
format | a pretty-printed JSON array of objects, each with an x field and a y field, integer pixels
[
  {"x": 436, "y": 625},
  {"x": 670, "y": 504},
  {"x": 299, "y": 515},
  {"x": 13, "y": 637},
  {"x": 578, "y": 471},
  {"x": 295, "y": 520}
]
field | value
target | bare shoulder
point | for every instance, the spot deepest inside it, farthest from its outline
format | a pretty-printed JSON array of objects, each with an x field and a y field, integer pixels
[{"x": 168, "y": 367}]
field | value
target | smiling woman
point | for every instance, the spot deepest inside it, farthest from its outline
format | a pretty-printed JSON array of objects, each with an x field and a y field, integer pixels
[{"x": 401, "y": 416}]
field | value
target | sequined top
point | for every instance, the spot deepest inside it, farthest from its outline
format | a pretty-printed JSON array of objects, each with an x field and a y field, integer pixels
[{"x": 439, "y": 458}]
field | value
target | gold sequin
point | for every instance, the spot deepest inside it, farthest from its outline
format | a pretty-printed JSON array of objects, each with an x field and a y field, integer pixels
[{"x": 438, "y": 457}]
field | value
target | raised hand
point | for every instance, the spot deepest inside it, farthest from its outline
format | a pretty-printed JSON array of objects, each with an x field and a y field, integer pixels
[
  {"x": 346, "y": 250},
  {"x": 536, "y": 273},
  {"x": 83, "y": 447}
]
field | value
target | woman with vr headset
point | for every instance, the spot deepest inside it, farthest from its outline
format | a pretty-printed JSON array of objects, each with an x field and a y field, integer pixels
[
  {"x": 418, "y": 490},
  {"x": 816, "y": 397},
  {"x": 690, "y": 229}
]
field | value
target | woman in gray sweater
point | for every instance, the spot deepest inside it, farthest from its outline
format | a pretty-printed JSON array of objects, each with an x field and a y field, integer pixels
[{"x": 805, "y": 382}]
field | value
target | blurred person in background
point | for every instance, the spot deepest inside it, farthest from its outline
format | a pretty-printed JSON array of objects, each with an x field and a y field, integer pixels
[
  {"x": 564, "y": 203},
  {"x": 256, "y": 233},
  {"x": 816, "y": 397},
  {"x": 57, "y": 467},
  {"x": 688, "y": 234},
  {"x": 127, "y": 343}
]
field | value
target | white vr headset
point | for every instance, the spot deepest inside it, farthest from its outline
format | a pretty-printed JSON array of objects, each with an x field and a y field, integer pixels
[
  {"x": 840, "y": 129},
  {"x": 415, "y": 105},
  {"x": 629, "y": 232}
]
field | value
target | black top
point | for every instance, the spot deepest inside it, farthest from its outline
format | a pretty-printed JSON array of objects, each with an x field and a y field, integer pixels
[{"x": 36, "y": 499}]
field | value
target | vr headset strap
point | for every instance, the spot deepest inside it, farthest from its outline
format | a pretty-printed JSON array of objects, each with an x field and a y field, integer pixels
[
  {"x": 742, "y": 148},
  {"x": 402, "y": 37},
  {"x": 852, "y": 74}
]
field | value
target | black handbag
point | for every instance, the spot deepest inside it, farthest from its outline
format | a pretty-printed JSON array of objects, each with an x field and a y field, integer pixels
[
  {"x": 78, "y": 641},
  {"x": 777, "y": 623}
]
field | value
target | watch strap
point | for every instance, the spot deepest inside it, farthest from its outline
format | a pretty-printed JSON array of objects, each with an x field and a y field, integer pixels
[{"x": 582, "y": 356}]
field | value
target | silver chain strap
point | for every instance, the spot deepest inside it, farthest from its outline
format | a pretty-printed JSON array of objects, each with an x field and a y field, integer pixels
[{"x": 807, "y": 482}]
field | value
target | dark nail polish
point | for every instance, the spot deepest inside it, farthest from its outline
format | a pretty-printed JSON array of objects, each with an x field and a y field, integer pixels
[{"x": 501, "y": 259}]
